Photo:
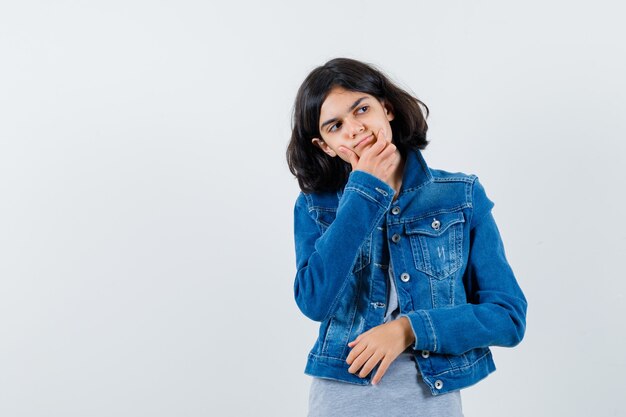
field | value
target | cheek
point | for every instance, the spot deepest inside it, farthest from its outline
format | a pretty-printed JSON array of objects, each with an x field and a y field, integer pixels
[{"x": 389, "y": 132}]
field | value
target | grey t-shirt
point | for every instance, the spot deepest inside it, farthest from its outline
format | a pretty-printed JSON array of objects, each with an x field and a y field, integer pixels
[{"x": 393, "y": 309}]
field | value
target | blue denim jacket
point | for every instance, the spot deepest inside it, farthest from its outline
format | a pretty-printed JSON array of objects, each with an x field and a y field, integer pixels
[{"x": 453, "y": 280}]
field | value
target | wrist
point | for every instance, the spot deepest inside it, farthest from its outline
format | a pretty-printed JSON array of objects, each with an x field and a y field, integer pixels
[{"x": 409, "y": 336}]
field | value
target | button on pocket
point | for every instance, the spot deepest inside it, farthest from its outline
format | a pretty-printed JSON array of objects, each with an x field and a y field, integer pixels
[{"x": 437, "y": 243}]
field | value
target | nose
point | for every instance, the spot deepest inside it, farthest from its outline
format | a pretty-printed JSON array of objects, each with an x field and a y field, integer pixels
[{"x": 353, "y": 127}]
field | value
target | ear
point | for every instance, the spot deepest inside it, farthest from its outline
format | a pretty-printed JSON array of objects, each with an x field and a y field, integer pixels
[
  {"x": 388, "y": 110},
  {"x": 323, "y": 146}
]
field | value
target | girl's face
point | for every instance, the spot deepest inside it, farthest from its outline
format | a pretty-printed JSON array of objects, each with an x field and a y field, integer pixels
[{"x": 347, "y": 117}]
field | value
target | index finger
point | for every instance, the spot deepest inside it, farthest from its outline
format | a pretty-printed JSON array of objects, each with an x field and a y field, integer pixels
[
  {"x": 353, "y": 158},
  {"x": 379, "y": 145}
]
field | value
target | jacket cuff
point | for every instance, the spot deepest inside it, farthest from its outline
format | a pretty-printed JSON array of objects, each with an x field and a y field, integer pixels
[
  {"x": 422, "y": 325},
  {"x": 371, "y": 187}
]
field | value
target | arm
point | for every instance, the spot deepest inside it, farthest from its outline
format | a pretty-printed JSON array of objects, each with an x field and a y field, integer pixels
[
  {"x": 324, "y": 261},
  {"x": 496, "y": 311}
]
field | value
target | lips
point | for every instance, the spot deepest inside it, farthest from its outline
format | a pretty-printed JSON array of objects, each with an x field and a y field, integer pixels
[{"x": 362, "y": 140}]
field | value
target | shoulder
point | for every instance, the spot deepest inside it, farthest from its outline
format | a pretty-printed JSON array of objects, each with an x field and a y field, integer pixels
[
  {"x": 317, "y": 201},
  {"x": 475, "y": 195},
  {"x": 321, "y": 207},
  {"x": 454, "y": 186},
  {"x": 470, "y": 180},
  {"x": 440, "y": 175}
]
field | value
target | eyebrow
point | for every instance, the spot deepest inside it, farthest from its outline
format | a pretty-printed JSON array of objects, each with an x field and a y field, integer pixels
[{"x": 356, "y": 103}]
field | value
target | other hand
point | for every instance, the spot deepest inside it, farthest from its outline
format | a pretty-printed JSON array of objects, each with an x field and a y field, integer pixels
[{"x": 383, "y": 343}]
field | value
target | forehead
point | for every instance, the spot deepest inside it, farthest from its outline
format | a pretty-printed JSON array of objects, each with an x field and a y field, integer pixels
[{"x": 339, "y": 101}]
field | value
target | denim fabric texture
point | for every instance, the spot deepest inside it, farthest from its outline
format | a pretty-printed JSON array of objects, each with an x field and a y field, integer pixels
[{"x": 453, "y": 280}]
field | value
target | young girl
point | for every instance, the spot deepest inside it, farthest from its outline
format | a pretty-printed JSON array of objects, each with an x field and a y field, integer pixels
[{"x": 402, "y": 264}]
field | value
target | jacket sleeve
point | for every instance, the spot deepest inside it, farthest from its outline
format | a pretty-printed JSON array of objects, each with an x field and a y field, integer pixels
[
  {"x": 324, "y": 261},
  {"x": 495, "y": 313}
]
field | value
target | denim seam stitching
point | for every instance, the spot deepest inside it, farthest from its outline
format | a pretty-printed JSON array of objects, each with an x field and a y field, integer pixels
[
  {"x": 356, "y": 295},
  {"x": 452, "y": 179},
  {"x": 309, "y": 200},
  {"x": 472, "y": 204},
  {"x": 316, "y": 355},
  {"x": 322, "y": 208},
  {"x": 457, "y": 208},
  {"x": 469, "y": 190},
  {"x": 325, "y": 344},
  {"x": 336, "y": 299},
  {"x": 440, "y": 232},
  {"x": 459, "y": 368},
  {"x": 452, "y": 369},
  {"x": 430, "y": 322},
  {"x": 326, "y": 357},
  {"x": 314, "y": 214},
  {"x": 432, "y": 328},
  {"x": 416, "y": 188},
  {"x": 363, "y": 193}
]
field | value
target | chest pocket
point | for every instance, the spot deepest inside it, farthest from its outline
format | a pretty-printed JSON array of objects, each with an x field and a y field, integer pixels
[
  {"x": 437, "y": 243},
  {"x": 325, "y": 217}
]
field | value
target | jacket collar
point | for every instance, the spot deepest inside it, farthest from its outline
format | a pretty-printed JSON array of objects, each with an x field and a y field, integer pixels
[{"x": 416, "y": 172}]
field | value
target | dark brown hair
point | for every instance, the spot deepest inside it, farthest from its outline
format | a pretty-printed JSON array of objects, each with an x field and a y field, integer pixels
[{"x": 315, "y": 170}]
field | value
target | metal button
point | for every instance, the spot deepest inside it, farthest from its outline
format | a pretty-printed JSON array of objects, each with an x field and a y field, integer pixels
[
  {"x": 425, "y": 354},
  {"x": 395, "y": 210},
  {"x": 435, "y": 224},
  {"x": 405, "y": 277},
  {"x": 395, "y": 238},
  {"x": 439, "y": 384}
]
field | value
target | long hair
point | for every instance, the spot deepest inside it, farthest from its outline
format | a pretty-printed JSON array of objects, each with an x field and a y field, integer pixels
[{"x": 315, "y": 170}]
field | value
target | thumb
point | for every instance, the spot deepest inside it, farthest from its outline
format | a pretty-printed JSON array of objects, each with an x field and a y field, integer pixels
[{"x": 351, "y": 155}]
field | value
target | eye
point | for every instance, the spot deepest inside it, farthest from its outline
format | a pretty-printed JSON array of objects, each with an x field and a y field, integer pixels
[
  {"x": 336, "y": 125},
  {"x": 361, "y": 108}
]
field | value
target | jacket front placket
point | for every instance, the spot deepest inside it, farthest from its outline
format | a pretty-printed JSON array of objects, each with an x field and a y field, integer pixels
[
  {"x": 378, "y": 277},
  {"x": 398, "y": 252}
]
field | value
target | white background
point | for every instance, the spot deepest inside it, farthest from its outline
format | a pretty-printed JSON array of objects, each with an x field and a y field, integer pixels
[{"x": 146, "y": 229}]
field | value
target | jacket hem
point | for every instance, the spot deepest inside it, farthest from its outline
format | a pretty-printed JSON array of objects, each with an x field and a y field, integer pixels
[
  {"x": 449, "y": 380},
  {"x": 458, "y": 378},
  {"x": 334, "y": 368}
]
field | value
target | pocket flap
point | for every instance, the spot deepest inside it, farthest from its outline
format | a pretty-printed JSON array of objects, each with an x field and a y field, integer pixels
[{"x": 434, "y": 225}]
